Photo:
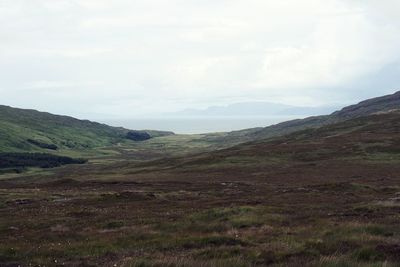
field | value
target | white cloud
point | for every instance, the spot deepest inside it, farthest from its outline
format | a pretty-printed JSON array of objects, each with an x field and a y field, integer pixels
[
  {"x": 191, "y": 52},
  {"x": 338, "y": 52},
  {"x": 44, "y": 85}
]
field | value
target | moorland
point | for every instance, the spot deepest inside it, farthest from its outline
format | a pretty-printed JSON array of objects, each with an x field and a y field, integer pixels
[{"x": 321, "y": 191}]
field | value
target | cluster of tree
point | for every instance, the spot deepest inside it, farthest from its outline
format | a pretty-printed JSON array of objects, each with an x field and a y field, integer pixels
[
  {"x": 42, "y": 145},
  {"x": 138, "y": 136},
  {"x": 22, "y": 160}
]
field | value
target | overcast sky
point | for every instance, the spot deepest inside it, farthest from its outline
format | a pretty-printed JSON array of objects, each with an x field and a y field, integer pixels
[{"x": 124, "y": 58}]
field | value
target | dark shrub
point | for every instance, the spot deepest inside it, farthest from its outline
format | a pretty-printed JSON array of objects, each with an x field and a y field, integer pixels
[
  {"x": 21, "y": 160},
  {"x": 42, "y": 145},
  {"x": 138, "y": 136}
]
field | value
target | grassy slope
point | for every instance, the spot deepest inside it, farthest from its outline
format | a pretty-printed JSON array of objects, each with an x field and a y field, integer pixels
[
  {"x": 81, "y": 138},
  {"x": 364, "y": 108},
  {"x": 67, "y": 133},
  {"x": 364, "y": 138},
  {"x": 370, "y": 138}
]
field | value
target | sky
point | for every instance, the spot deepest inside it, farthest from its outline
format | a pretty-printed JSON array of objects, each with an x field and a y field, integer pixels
[{"x": 128, "y": 58}]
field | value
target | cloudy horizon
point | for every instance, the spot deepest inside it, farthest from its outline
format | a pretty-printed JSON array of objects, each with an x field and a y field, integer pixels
[{"x": 94, "y": 58}]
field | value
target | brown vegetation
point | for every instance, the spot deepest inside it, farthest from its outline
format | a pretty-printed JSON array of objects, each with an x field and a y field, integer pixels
[{"x": 325, "y": 197}]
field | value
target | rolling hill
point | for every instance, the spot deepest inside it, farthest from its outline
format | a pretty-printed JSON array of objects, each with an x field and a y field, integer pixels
[
  {"x": 364, "y": 108},
  {"x": 23, "y": 130},
  {"x": 372, "y": 138},
  {"x": 33, "y": 131}
]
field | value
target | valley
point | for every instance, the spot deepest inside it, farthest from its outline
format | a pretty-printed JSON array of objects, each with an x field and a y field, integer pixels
[{"x": 322, "y": 191}]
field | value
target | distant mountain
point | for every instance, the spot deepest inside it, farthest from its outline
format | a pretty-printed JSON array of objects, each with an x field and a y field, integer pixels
[
  {"x": 253, "y": 109},
  {"x": 368, "y": 107},
  {"x": 23, "y": 130}
]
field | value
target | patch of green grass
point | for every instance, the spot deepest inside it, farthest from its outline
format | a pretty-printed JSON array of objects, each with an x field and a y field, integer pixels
[
  {"x": 375, "y": 158},
  {"x": 223, "y": 219},
  {"x": 368, "y": 254},
  {"x": 169, "y": 261},
  {"x": 2, "y": 204},
  {"x": 347, "y": 261},
  {"x": 362, "y": 187},
  {"x": 209, "y": 241},
  {"x": 349, "y": 235},
  {"x": 378, "y": 230},
  {"x": 8, "y": 253},
  {"x": 220, "y": 253}
]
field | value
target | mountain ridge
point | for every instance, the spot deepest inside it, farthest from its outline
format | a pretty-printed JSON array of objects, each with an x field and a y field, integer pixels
[
  {"x": 257, "y": 109},
  {"x": 363, "y": 108}
]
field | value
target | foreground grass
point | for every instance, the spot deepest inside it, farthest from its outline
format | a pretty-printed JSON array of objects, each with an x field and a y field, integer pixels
[{"x": 229, "y": 236}]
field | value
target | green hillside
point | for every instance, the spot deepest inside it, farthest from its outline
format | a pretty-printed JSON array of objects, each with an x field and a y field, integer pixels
[
  {"x": 32, "y": 131},
  {"x": 364, "y": 108},
  {"x": 24, "y": 130}
]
